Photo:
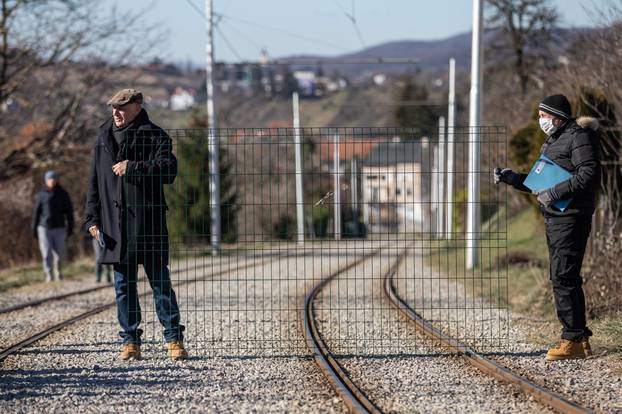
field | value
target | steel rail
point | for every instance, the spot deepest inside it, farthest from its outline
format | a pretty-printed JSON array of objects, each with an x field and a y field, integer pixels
[
  {"x": 349, "y": 392},
  {"x": 37, "y": 302},
  {"x": 14, "y": 348},
  {"x": 486, "y": 365}
]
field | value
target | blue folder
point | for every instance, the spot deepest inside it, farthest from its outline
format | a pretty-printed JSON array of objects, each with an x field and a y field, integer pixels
[{"x": 546, "y": 174}]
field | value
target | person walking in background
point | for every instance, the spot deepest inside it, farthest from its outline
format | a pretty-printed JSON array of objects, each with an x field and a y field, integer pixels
[
  {"x": 573, "y": 145},
  {"x": 52, "y": 223},
  {"x": 100, "y": 268},
  {"x": 126, "y": 212}
]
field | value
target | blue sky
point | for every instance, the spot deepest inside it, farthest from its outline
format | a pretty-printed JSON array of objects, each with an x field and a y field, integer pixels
[{"x": 286, "y": 27}]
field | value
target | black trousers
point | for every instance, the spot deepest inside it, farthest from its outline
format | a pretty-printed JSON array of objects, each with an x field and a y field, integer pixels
[{"x": 567, "y": 238}]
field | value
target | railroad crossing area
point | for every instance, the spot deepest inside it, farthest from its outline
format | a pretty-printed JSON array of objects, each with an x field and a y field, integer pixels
[{"x": 347, "y": 287}]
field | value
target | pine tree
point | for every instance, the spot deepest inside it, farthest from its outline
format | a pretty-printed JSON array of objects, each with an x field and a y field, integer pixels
[{"x": 190, "y": 195}]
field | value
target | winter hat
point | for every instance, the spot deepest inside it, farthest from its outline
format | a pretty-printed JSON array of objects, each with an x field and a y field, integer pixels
[
  {"x": 51, "y": 174},
  {"x": 556, "y": 105}
]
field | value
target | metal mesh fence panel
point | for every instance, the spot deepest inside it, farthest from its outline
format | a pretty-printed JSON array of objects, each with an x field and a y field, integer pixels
[{"x": 370, "y": 194}]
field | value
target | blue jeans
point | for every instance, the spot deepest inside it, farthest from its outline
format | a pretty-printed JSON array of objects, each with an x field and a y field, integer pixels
[{"x": 128, "y": 306}]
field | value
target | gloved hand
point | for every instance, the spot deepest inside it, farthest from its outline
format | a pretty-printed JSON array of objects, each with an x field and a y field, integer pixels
[
  {"x": 506, "y": 176},
  {"x": 545, "y": 198}
]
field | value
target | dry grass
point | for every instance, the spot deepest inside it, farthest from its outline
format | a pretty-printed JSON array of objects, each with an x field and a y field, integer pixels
[{"x": 30, "y": 274}]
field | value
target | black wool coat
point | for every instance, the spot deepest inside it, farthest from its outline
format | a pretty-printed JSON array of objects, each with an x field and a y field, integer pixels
[{"x": 130, "y": 211}]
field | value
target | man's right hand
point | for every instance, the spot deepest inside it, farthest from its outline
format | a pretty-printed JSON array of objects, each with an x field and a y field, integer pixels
[
  {"x": 506, "y": 176},
  {"x": 93, "y": 231}
]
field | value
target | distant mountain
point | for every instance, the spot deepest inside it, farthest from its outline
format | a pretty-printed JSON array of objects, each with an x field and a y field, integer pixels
[{"x": 431, "y": 54}]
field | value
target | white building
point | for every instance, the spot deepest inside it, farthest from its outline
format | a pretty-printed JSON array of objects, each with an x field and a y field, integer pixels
[
  {"x": 395, "y": 186},
  {"x": 182, "y": 99}
]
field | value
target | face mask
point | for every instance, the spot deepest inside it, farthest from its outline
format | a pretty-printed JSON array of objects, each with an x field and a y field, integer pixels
[{"x": 546, "y": 124}]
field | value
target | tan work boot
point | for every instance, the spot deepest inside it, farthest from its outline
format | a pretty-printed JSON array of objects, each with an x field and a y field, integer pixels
[
  {"x": 130, "y": 351},
  {"x": 566, "y": 350},
  {"x": 176, "y": 350},
  {"x": 587, "y": 348}
]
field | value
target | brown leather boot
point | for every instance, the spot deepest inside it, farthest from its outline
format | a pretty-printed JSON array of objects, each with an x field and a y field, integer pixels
[
  {"x": 176, "y": 350},
  {"x": 130, "y": 351},
  {"x": 566, "y": 350},
  {"x": 587, "y": 348}
]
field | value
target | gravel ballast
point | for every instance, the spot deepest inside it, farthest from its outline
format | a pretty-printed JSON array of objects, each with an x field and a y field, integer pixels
[{"x": 248, "y": 352}]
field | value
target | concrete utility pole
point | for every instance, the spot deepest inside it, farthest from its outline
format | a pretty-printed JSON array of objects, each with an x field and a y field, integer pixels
[
  {"x": 473, "y": 206},
  {"x": 298, "y": 156},
  {"x": 214, "y": 171},
  {"x": 451, "y": 113},
  {"x": 440, "y": 178},
  {"x": 354, "y": 188},
  {"x": 337, "y": 189}
]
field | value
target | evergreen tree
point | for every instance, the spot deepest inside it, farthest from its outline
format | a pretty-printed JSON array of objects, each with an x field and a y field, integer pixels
[{"x": 190, "y": 195}]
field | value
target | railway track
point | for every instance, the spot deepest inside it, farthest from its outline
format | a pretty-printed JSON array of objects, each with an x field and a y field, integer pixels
[
  {"x": 16, "y": 347},
  {"x": 541, "y": 394},
  {"x": 53, "y": 298},
  {"x": 350, "y": 393}
]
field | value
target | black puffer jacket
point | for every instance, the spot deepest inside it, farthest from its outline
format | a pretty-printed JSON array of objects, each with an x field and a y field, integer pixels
[
  {"x": 574, "y": 147},
  {"x": 53, "y": 209}
]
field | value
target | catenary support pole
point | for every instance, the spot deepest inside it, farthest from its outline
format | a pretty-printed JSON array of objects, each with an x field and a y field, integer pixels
[
  {"x": 337, "y": 188},
  {"x": 473, "y": 204},
  {"x": 214, "y": 177},
  {"x": 300, "y": 221},
  {"x": 440, "y": 177},
  {"x": 451, "y": 113}
]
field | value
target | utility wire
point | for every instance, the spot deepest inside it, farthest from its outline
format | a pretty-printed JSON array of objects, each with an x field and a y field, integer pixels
[
  {"x": 242, "y": 35},
  {"x": 352, "y": 17},
  {"x": 275, "y": 29},
  {"x": 224, "y": 38}
]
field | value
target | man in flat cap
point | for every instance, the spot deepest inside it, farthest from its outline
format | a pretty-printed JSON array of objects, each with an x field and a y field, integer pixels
[
  {"x": 126, "y": 212},
  {"x": 573, "y": 145}
]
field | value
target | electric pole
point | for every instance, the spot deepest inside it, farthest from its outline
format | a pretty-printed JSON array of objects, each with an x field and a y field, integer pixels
[
  {"x": 473, "y": 205},
  {"x": 214, "y": 171}
]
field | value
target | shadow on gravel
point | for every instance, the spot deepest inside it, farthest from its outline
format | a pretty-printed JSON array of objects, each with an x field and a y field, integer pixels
[
  {"x": 21, "y": 384},
  {"x": 537, "y": 353}
]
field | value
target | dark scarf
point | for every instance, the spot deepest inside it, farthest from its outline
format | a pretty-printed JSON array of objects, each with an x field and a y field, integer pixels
[{"x": 122, "y": 134}]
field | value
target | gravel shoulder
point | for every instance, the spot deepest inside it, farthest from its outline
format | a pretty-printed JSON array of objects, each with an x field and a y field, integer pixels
[{"x": 242, "y": 360}]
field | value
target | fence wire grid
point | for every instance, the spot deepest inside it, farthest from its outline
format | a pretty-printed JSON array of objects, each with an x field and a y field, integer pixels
[{"x": 381, "y": 191}]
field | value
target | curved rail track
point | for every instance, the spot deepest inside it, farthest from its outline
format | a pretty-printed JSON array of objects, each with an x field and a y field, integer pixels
[
  {"x": 16, "y": 347},
  {"x": 485, "y": 365},
  {"x": 349, "y": 392}
]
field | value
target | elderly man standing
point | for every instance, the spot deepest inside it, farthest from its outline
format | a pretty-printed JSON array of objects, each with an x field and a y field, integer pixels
[
  {"x": 126, "y": 213},
  {"x": 573, "y": 145},
  {"x": 52, "y": 222}
]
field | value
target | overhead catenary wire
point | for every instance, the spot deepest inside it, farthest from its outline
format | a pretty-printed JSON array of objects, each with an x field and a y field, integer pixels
[
  {"x": 352, "y": 17},
  {"x": 229, "y": 45}
]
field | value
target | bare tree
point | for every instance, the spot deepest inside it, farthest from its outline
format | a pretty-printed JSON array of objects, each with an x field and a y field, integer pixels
[
  {"x": 522, "y": 30},
  {"x": 594, "y": 70},
  {"x": 55, "y": 56}
]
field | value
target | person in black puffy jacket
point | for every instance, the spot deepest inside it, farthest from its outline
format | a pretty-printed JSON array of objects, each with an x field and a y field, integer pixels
[
  {"x": 573, "y": 145},
  {"x": 52, "y": 223}
]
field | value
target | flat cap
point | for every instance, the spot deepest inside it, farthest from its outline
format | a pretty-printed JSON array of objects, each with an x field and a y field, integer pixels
[{"x": 125, "y": 96}]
